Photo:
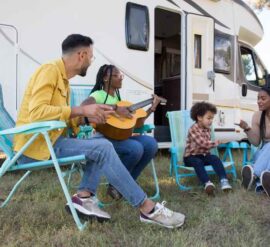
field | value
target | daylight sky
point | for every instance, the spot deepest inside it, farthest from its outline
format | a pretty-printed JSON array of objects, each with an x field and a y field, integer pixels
[{"x": 263, "y": 48}]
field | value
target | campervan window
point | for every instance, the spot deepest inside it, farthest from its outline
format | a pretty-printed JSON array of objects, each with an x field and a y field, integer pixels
[
  {"x": 223, "y": 54},
  {"x": 253, "y": 68},
  {"x": 137, "y": 26},
  {"x": 197, "y": 51}
]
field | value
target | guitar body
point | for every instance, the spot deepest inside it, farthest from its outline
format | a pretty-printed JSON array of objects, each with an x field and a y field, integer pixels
[{"x": 121, "y": 128}]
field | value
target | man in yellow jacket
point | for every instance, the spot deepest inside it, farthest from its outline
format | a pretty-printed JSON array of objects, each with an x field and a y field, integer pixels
[{"x": 47, "y": 97}]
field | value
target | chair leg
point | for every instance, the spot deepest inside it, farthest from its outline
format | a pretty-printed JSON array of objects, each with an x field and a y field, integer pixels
[
  {"x": 181, "y": 186},
  {"x": 63, "y": 184},
  {"x": 233, "y": 164},
  {"x": 171, "y": 166},
  {"x": 75, "y": 168},
  {"x": 156, "y": 196},
  {"x": 15, "y": 187}
]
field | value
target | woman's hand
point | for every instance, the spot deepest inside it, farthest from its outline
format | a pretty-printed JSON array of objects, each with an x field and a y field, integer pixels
[
  {"x": 243, "y": 125},
  {"x": 123, "y": 111},
  {"x": 156, "y": 101}
]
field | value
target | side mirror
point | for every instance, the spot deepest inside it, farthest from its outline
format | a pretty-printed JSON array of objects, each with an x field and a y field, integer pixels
[{"x": 244, "y": 89}]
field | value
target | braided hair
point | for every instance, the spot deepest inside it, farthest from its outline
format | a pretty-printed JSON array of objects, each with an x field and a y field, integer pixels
[
  {"x": 100, "y": 84},
  {"x": 262, "y": 119}
]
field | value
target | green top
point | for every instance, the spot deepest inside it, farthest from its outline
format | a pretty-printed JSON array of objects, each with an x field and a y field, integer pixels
[{"x": 100, "y": 96}]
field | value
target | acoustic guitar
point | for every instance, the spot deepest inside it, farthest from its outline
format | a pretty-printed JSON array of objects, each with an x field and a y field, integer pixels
[{"x": 120, "y": 127}]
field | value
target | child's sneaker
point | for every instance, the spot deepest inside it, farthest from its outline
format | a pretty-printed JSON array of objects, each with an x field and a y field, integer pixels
[
  {"x": 209, "y": 188},
  {"x": 247, "y": 176},
  {"x": 225, "y": 186},
  {"x": 265, "y": 180},
  {"x": 258, "y": 188},
  {"x": 163, "y": 217}
]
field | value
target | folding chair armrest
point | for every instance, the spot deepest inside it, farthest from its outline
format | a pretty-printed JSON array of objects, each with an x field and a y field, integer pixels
[
  {"x": 228, "y": 150},
  {"x": 232, "y": 144},
  {"x": 34, "y": 128},
  {"x": 244, "y": 145},
  {"x": 146, "y": 128}
]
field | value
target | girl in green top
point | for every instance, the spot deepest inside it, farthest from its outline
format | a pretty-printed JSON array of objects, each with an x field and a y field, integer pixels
[{"x": 137, "y": 151}]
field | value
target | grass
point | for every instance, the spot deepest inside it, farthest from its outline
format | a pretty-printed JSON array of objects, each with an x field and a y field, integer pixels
[{"x": 36, "y": 216}]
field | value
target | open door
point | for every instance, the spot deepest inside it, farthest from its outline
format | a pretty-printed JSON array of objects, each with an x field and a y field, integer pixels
[
  {"x": 200, "y": 81},
  {"x": 8, "y": 66},
  {"x": 167, "y": 68}
]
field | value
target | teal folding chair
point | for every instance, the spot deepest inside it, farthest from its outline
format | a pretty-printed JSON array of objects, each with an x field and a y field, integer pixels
[
  {"x": 78, "y": 94},
  {"x": 7, "y": 131},
  {"x": 248, "y": 151},
  {"x": 180, "y": 122}
]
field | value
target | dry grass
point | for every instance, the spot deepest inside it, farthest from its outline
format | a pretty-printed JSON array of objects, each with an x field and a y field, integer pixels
[{"x": 36, "y": 216}]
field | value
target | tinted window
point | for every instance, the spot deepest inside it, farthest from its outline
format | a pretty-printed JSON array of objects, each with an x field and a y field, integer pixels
[
  {"x": 137, "y": 26},
  {"x": 223, "y": 51},
  {"x": 253, "y": 69},
  {"x": 198, "y": 51}
]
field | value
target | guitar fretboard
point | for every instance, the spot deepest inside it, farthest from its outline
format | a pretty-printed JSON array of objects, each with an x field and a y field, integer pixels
[{"x": 139, "y": 105}]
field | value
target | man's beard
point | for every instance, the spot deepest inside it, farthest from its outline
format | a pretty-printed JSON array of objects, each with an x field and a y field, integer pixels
[{"x": 83, "y": 71}]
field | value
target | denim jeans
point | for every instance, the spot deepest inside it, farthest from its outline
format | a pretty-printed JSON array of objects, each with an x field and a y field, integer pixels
[
  {"x": 101, "y": 158},
  {"x": 136, "y": 152},
  {"x": 262, "y": 160},
  {"x": 199, "y": 161}
]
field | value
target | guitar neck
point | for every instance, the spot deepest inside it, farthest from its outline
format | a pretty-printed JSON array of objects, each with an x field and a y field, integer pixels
[{"x": 139, "y": 105}]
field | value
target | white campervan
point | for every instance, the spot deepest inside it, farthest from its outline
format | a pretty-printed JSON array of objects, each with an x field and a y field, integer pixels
[{"x": 183, "y": 50}]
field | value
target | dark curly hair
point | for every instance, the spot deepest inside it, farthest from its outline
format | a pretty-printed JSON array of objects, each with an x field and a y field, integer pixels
[
  {"x": 262, "y": 120},
  {"x": 200, "y": 109}
]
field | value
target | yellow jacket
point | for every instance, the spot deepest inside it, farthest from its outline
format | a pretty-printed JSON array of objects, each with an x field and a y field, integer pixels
[{"x": 47, "y": 97}]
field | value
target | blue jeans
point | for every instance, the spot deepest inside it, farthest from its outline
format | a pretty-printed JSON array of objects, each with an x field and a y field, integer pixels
[
  {"x": 199, "y": 161},
  {"x": 136, "y": 152},
  {"x": 101, "y": 158},
  {"x": 262, "y": 160}
]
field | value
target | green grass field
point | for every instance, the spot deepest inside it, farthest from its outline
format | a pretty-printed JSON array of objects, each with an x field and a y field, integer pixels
[{"x": 36, "y": 216}]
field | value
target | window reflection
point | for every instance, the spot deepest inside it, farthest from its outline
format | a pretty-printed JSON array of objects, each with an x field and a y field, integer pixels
[
  {"x": 253, "y": 68},
  {"x": 137, "y": 26},
  {"x": 223, "y": 47}
]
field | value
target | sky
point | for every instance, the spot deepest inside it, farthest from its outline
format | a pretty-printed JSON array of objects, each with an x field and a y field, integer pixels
[{"x": 263, "y": 47}]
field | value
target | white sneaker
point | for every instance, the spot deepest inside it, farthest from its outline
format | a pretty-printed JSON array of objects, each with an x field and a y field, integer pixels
[
  {"x": 209, "y": 188},
  {"x": 225, "y": 186},
  {"x": 88, "y": 208},
  {"x": 163, "y": 217}
]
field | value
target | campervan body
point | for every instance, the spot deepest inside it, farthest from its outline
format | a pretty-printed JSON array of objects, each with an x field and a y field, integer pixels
[{"x": 184, "y": 50}]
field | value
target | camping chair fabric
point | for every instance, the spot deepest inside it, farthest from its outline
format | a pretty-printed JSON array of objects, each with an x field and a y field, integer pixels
[
  {"x": 10, "y": 164},
  {"x": 78, "y": 94},
  {"x": 6, "y": 120},
  {"x": 180, "y": 122}
]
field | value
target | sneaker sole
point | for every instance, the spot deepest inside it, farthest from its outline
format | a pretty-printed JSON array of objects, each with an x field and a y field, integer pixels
[
  {"x": 157, "y": 223},
  {"x": 265, "y": 180},
  {"x": 228, "y": 189},
  {"x": 210, "y": 190},
  {"x": 85, "y": 216},
  {"x": 247, "y": 175}
]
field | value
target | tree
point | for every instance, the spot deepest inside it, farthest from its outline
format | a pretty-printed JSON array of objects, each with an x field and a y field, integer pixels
[{"x": 259, "y": 4}]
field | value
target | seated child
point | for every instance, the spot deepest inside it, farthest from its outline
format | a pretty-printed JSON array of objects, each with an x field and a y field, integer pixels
[{"x": 197, "y": 152}]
